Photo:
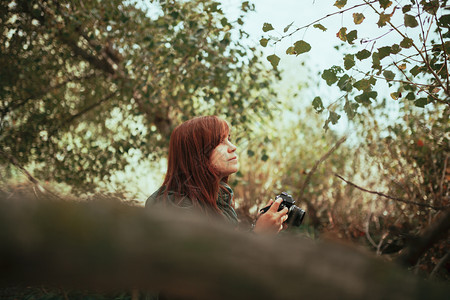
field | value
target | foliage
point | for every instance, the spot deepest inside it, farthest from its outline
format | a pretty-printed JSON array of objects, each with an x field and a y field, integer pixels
[
  {"x": 413, "y": 158},
  {"x": 413, "y": 59},
  {"x": 86, "y": 85}
]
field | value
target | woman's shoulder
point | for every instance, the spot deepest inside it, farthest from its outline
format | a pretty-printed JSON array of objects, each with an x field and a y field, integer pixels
[{"x": 161, "y": 197}]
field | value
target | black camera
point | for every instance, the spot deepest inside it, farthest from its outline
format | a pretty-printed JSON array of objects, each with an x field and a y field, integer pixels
[{"x": 295, "y": 213}]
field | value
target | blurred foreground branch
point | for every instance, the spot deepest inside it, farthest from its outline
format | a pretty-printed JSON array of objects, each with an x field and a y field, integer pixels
[
  {"x": 438, "y": 229},
  {"x": 110, "y": 245}
]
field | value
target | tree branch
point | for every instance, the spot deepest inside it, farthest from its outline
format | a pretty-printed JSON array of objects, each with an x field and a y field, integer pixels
[
  {"x": 43, "y": 92},
  {"x": 30, "y": 177},
  {"x": 417, "y": 247},
  {"x": 417, "y": 49},
  {"x": 391, "y": 198},
  {"x": 441, "y": 262},
  {"x": 320, "y": 19},
  {"x": 318, "y": 162}
]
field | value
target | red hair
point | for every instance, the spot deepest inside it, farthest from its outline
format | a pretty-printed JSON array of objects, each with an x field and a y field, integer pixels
[{"x": 189, "y": 172}]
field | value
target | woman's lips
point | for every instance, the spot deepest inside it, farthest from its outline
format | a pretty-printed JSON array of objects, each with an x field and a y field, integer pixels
[{"x": 234, "y": 158}]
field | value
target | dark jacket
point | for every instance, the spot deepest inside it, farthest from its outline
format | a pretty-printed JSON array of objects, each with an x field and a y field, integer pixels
[{"x": 224, "y": 202}]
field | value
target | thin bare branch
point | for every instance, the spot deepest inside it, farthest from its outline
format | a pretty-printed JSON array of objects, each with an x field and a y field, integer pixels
[
  {"x": 444, "y": 170},
  {"x": 318, "y": 162},
  {"x": 43, "y": 92},
  {"x": 30, "y": 177},
  {"x": 320, "y": 19},
  {"x": 443, "y": 49},
  {"x": 390, "y": 197},
  {"x": 441, "y": 262},
  {"x": 430, "y": 236}
]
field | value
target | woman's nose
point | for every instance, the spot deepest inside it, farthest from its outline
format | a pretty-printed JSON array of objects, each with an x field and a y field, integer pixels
[{"x": 231, "y": 148}]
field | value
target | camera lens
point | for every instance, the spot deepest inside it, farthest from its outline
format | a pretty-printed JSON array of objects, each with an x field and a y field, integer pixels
[{"x": 295, "y": 216}]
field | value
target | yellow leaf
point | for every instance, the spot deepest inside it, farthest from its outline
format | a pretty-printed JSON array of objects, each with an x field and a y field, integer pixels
[
  {"x": 342, "y": 34},
  {"x": 402, "y": 66},
  {"x": 436, "y": 90},
  {"x": 358, "y": 18}
]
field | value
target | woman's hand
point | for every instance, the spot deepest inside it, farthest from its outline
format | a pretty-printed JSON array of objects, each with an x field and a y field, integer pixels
[{"x": 271, "y": 222}]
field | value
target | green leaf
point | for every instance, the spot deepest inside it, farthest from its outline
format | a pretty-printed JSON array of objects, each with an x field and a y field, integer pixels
[
  {"x": 340, "y": 3},
  {"x": 410, "y": 21},
  {"x": 358, "y": 18},
  {"x": 421, "y": 102},
  {"x": 447, "y": 47},
  {"x": 333, "y": 118},
  {"x": 389, "y": 75},
  {"x": 365, "y": 84},
  {"x": 224, "y": 22},
  {"x": 320, "y": 26},
  {"x": 349, "y": 61},
  {"x": 385, "y": 3},
  {"x": 290, "y": 50},
  {"x": 301, "y": 47},
  {"x": 406, "y": 43},
  {"x": 263, "y": 42},
  {"x": 444, "y": 21},
  {"x": 265, "y": 157},
  {"x": 250, "y": 153},
  {"x": 395, "y": 49},
  {"x": 329, "y": 75},
  {"x": 406, "y": 8},
  {"x": 384, "y": 18},
  {"x": 287, "y": 27},
  {"x": 376, "y": 61},
  {"x": 351, "y": 36},
  {"x": 267, "y": 27},
  {"x": 318, "y": 105},
  {"x": 410, "y": 96},
  {"x": 350, "y": 109},
  {"x": 274, "y": 60},
  {"x": 414, "y": 71},
  {"x": 345, "y": 83},
  {"x": 384, "y": 51},
  {"x": 365, "y": 97},
  {"x": 431, "y": 7},
  {"x": 363, "y": 54}
]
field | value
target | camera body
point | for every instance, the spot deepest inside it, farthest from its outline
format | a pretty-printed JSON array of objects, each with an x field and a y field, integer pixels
[{"x": 295, "y": 213}]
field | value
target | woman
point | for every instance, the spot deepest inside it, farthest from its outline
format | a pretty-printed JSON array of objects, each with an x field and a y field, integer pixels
[{"x": 201, "y": 157}]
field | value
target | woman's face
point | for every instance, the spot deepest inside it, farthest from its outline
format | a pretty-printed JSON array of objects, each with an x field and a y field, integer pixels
[{"x": 224, "y": 159}]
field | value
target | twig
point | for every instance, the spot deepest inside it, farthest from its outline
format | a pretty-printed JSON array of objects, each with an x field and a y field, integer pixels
[
  {"x": 441, "y": 262},
  {"x": 30, "y": 177},
  {"x": 432, "y": 72},
  {"x": 14, "y": 161},
  {"x": 318, "y": 20},
  {"x": 369, "y": 238},
  {"x": 314, "y": 168},
  {"x": 443, "y": 49},
  {"x": 441, "y": 184},
  {"x": 390, "y": 197},
  {"x": 383, "y": 237},
  {"x": 431, "y": 235}
]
